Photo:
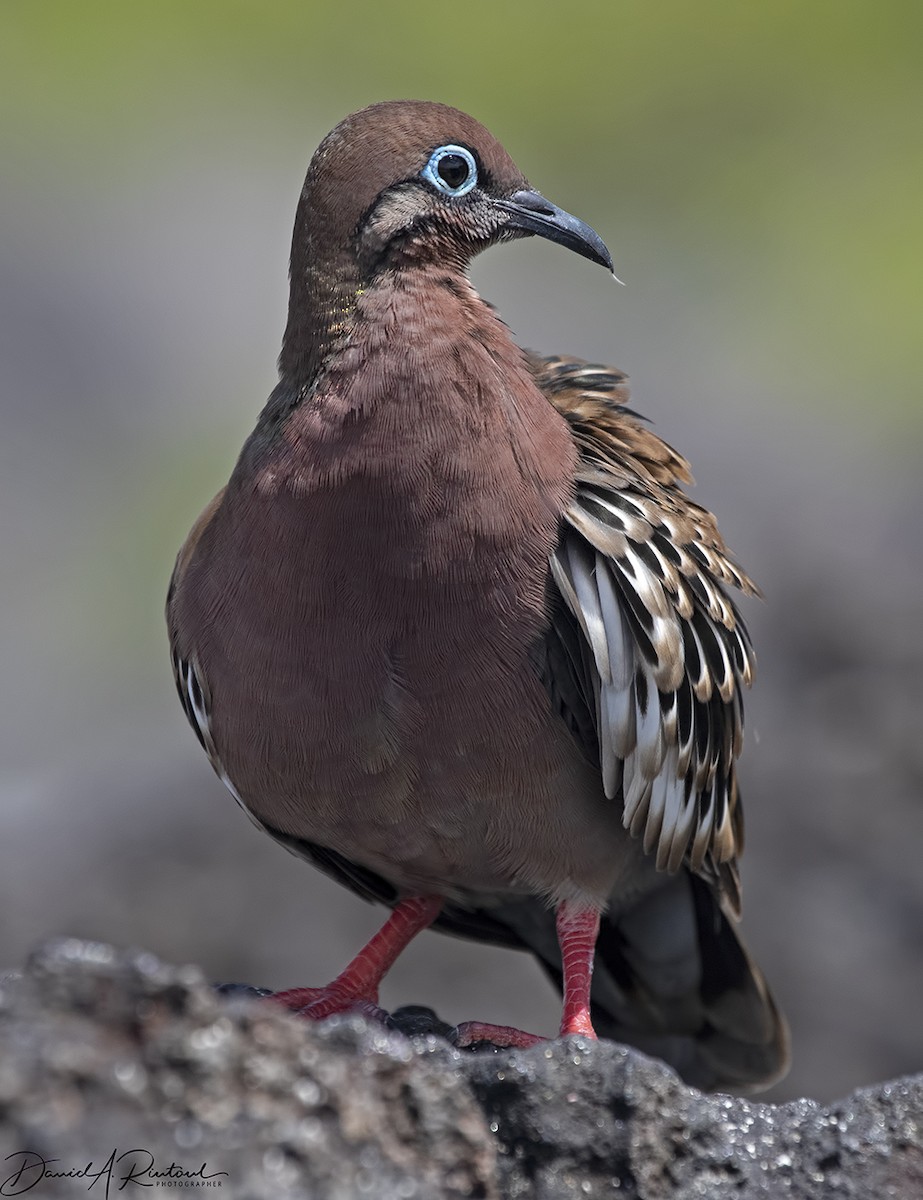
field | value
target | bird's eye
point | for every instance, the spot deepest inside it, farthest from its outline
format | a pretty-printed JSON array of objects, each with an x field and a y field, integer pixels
[{"x": 452, "y": 170}]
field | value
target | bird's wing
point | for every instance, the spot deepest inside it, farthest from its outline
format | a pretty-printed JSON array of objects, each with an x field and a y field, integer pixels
[
  {"x": 647, "y": 654},
  {"x": 192, "y": 688}
]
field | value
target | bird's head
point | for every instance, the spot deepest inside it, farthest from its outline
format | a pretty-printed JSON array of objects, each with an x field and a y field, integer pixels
[
  {"x": 399, "y": 185},
  {"x": 407, "y": 181}
]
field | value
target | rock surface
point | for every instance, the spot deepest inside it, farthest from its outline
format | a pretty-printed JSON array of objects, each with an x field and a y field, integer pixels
[{"x": 114, "y": 1064}]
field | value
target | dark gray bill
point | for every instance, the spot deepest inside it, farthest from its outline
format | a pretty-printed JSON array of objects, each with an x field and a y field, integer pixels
[{"x": 530, "y": 212}]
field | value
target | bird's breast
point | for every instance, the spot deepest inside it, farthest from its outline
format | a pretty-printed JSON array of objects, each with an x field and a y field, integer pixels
[{"x": 370, "y": 615}]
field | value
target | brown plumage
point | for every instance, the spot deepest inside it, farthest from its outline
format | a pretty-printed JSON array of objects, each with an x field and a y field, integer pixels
[{"x": 453, "y": 631}]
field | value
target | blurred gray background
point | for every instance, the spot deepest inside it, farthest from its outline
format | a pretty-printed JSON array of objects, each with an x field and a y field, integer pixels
[{"x": 756, "y": 171}]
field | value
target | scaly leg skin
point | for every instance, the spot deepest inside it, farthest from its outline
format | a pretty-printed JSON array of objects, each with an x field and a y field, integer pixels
[
  {"x": 355, "y": 989},
  {"x": 577, "y": 931}
]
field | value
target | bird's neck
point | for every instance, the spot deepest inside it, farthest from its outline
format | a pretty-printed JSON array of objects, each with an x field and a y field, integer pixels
[
  {"x": 322, "y": 304},
  {"x": 419, "y": 371}
]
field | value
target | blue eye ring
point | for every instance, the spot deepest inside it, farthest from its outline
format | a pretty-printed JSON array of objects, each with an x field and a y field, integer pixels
[{"x": 431, "y": 172}]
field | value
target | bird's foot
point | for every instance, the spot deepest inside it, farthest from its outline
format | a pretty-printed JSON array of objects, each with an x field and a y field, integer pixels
[
  {"x": 577, "y": 1021},
  {"x": 470, "y": 1033},
  {"x": 355, "y": 989},
  {"x": 317, "y": 1003}
]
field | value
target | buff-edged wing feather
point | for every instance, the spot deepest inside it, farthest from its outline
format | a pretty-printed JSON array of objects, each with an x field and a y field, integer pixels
[{"x": 647, "y": 641}]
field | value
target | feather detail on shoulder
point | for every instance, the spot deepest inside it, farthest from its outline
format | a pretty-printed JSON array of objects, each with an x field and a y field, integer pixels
[{"x": 648, "y": 655}]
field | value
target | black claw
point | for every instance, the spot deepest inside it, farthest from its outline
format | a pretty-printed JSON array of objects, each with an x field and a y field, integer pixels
[
  {"x": 240, "y": 989},
  {"x": 416, "y": 1020}
]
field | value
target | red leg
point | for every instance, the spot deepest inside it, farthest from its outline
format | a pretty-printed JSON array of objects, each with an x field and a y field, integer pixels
[
  {"x": 356, "y": 987},
  {"x": 577, "y": 931}
]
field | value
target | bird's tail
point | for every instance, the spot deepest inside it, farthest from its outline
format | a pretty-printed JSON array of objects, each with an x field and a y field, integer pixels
[{"x": 672, "y": 978}]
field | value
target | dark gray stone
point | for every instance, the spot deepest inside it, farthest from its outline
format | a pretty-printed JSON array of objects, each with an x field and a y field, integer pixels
[
  {"x": 594, "y": 1119},
  {"x": 103, "y": 1050},
  {"x": 106, "y": 1051}
]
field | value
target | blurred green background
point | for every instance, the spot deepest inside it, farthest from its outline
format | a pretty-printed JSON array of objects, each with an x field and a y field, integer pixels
[{"x": 757, "y": 173}]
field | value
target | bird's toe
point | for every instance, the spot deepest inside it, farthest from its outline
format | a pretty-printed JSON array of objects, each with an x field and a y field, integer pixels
[
  {"x": 477, "y": 1034},
  {"x": 317, "y": 1003}
]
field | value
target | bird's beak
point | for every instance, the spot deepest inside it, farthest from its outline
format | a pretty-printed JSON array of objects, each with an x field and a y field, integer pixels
[{"x": 530, "y": 212}]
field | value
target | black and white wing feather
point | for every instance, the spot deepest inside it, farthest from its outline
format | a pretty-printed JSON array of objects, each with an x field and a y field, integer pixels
[{"x": 648, "y": 655}]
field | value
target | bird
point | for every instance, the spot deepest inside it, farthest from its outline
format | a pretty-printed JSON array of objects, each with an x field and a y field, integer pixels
[{"x": 454, "y": 632}]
